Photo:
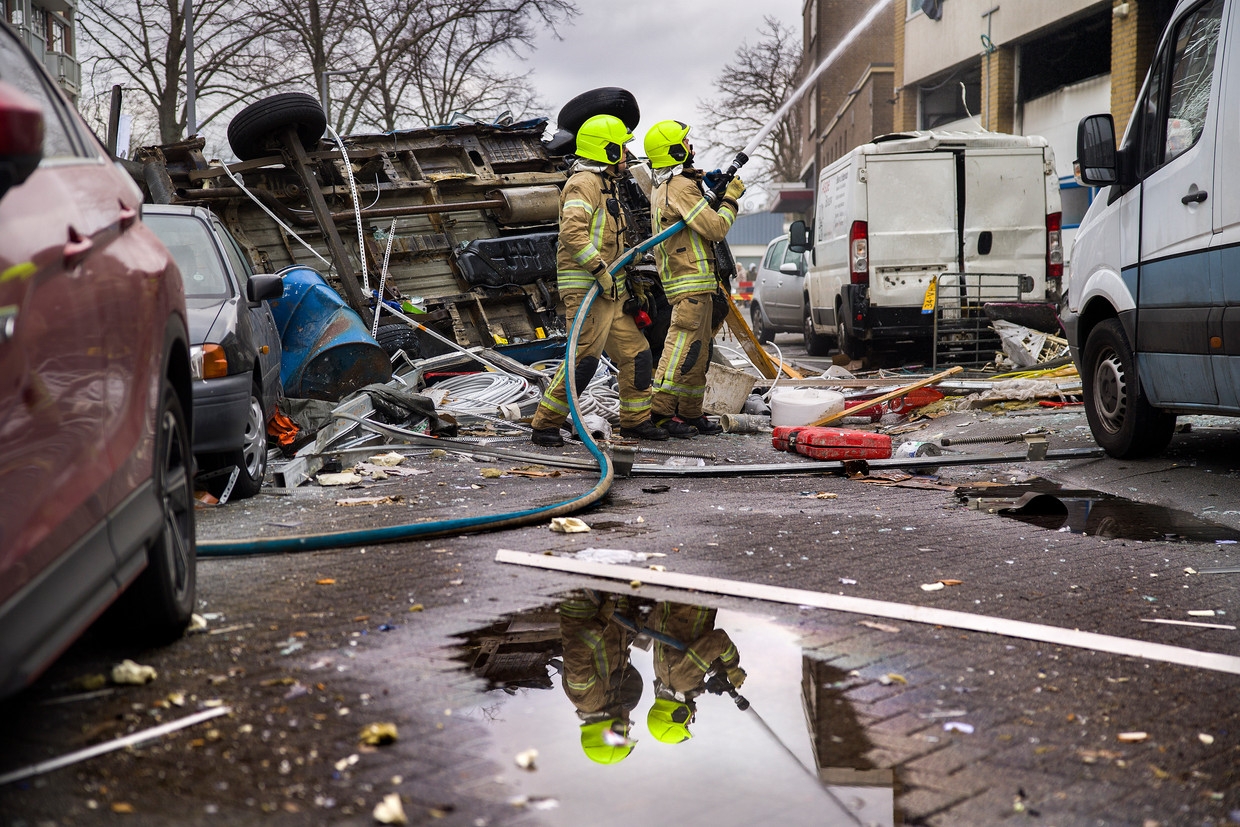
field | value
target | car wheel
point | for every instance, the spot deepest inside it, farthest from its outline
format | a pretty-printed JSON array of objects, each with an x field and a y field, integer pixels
[
  {"x": 1121, "y": 418},
  {"x": 607, "y": 100},
  {"x": 251, "y": 457},
  {"x": 395, "y": 337},
  {"x": 760, "y": 331},
  {"x": 816, "y": 344},
  {"x": 161, "y": 601},
  {"x": 255, "y": 131}
]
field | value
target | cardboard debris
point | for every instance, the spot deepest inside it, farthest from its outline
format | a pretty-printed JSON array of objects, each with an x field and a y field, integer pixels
[
  {"x": 129, "y": 673},
  {"x": 568, "y": 525}
]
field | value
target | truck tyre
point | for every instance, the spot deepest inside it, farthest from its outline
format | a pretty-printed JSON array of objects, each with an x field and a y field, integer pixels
[
  {"x": 255, "y": 131},
  {"x": 1122, "y": 420},
  {"x": 607, "y": 100},
  {"x": 395, "y": 337},
  {"x": 760, "y": 331},
  {"x": 158, "y": 606},
  {"x": 816, "y": 344}
]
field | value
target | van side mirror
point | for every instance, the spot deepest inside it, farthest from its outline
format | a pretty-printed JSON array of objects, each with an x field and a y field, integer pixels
[
  {"x": 21, "y": 141},
  {"x": 1096, "y": 161},
  {"x": 798, "y": 237}
]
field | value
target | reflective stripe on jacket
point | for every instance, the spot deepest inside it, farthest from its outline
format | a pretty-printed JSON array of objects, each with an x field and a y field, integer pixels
[
  {"x": 590, "y": 236},
  {"x": 687, "y": 259}
]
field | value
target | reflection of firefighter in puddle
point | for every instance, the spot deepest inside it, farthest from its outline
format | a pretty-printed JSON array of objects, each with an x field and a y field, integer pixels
[
  {"x": 691, "y": 656},
  {"x": 598, "y": 677}
]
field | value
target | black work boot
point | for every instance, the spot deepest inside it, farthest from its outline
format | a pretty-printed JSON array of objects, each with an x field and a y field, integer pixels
[
  {"x": 645, "y": 430},
  {"x": 704, "y": 426},
  {"x": 677, "y": 428},
  {"x": 547, "y": 437}
]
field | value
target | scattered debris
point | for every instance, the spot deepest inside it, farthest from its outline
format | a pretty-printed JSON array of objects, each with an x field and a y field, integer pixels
[
  {"x": 388, "y": 500},
  {"x": 882, "y": 627},
  {"x": 932, "y": 587},
  {"x": 568, "y": 525},
  {"x": 1205, "y": 738},
  {"x": 378, "y": 735},
  {"x": 491, "y": 473},
  {"x": 892, "y": 677},
  {"x": 129, "y": 673},
  {"x": 342, "y": 478},
  {"x": 614, "y": 556},
  {"x": 1132, "y": 737},
  {"x": 390, "y": 810},
  {"x": 958, "y": 726},
  {"x": 526, "y": 759}
]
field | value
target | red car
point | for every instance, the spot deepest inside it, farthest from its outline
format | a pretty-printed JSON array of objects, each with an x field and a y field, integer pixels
[{"x": 95, "y": 459}]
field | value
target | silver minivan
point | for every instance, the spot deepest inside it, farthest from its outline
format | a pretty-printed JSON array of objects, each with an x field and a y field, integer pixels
[{"x": 1152, "y": 305}]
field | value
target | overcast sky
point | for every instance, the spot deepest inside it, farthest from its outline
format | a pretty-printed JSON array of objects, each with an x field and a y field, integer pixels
[{"x": 666, "y": 53}]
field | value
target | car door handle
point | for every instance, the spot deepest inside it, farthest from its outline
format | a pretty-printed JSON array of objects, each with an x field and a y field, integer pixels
[
  {"x": 127, "y": 216},
  {"x": 76, "y": 248},
  {"x": 1194, "y": 197}
]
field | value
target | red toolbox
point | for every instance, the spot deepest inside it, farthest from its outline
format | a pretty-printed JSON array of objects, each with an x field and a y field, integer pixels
[{"x": 832, "y": 443}]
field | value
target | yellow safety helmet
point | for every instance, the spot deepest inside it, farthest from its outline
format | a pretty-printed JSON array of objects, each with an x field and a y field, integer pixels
[
  {"x": 665, "y": 144},
  {"x": 602, "y": 138},
  {"x": 606, "y": 742},
  {"x": 668, "y": 721}
]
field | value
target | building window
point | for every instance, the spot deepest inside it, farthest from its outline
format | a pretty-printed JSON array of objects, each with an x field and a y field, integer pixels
[{"x": 942, "y": 102}]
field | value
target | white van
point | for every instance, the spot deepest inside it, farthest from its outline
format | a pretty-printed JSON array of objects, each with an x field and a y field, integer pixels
[
  {"x": 1153, "y": 301},
  {"x": 892, "y": 215}
]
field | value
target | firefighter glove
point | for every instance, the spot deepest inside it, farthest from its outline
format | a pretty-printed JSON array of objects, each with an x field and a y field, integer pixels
[
  {"x": 736, "y": 188},
  {"x": 736, "y": 677}
]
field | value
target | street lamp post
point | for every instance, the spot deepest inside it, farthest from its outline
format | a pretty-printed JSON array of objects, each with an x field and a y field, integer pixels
[
  {"x": 325, "y": 97},
  {"x": 191, "y": 89}
]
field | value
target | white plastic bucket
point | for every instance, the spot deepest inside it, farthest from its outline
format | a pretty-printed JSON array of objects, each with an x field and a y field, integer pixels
[{"x": 803, "y": 406}]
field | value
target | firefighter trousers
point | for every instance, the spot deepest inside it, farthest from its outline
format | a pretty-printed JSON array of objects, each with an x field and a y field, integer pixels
[
  {"x": 680, "y": 381},
  {"x": 607, "y": 327}
]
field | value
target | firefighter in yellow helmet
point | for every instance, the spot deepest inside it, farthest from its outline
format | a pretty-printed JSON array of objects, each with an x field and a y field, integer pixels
[
  {"x": 687, "y": 650},
  {"x": 592, "y": 226},
  {"x": 598, "y": 676},
  {"x": 686, "y": 264}
]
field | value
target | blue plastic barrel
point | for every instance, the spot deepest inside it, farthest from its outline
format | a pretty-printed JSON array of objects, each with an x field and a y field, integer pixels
[{"x": 328, "y": 352}]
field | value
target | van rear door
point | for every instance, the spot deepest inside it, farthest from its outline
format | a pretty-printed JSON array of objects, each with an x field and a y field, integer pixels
[
  {"x": 911, "y": 205},
  {"x": 1005, "y": 214}
]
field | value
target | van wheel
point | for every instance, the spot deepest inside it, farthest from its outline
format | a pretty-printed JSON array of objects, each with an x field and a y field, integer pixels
[
  {"x": 255, "y": 131},
  {"x": 847, "y": 345},
  {"x": 159, "y": 604},
  {"x": 760, "y": 331},
  {"x": 607, "y": 100},
  {"x": 1122, "y": 420},
  {"x": 816, "y": 344},
  {"x": 399, "y": 337}
]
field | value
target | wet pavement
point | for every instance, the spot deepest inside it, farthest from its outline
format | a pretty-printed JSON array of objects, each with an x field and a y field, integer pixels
[{"x": 925, "y": 723}]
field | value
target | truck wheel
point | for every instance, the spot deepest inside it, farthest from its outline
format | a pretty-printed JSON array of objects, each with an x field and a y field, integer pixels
[
  {"x": 760, "y": 331},
  {"x": 608, "y": 100},
  {"x": 1122, "y": 420},
  {"x": 251, "y": 457},
  {"x": 394, "y": 337},
  {"x": 159, "y": 604},
  {"x": 816, "y": 344},
  {"x": 255, "y": 131}
]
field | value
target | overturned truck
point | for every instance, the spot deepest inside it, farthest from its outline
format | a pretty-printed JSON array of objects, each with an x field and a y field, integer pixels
[{"x": 463, "y": 216}]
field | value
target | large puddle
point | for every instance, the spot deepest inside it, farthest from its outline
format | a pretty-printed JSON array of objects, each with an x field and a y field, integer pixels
[
  {"x": 1093, "y": 512},
  {"x": 632, "y": 709}
]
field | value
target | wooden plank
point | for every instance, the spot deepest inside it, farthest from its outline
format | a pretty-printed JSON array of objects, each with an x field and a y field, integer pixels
[
  {"x": 1056, "y": 635},
  {"x": 887, "y": 397}
]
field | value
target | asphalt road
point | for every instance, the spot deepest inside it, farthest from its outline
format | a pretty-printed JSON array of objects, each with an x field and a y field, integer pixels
[{"x": 956, "y": 727}]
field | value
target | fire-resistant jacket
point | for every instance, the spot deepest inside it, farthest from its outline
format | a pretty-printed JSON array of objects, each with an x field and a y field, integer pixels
[
  {"x": 687, "y": 259},
  {"x": 684, "y": 671},
  {"x": 591, "y": 237},
  {"x": 598, "y": 677}
]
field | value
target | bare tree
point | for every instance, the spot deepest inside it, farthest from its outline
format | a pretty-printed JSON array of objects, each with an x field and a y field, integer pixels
[
  {"x": 142, "y": 44},
  {"x": 751, "y": 88}
]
